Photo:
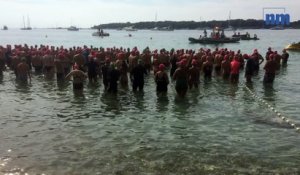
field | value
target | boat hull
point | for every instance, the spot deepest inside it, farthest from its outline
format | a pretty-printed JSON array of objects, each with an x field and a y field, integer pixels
[
  {"x": 293, "y": 47},
  {"x": 73, "y": 29},
  {"x": 214, "y": 41},
  {"x": 248, "y": 39},
  {"x": 100, "y": 34}
]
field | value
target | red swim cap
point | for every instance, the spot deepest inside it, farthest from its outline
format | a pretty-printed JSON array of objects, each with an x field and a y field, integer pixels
[
  {"x": 75, "y": 66},
  {"x": 161, "y": 67},
  {"x": 194, "y": 62},
  {"x": 246, "y": 56},
  {"x": 226, "y": 57}
]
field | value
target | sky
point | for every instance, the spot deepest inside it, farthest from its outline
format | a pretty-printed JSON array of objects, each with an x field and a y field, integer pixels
[{"x": 87, "y": 13}]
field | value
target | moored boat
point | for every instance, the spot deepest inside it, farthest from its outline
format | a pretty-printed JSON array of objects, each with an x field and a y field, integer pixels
[
  {"x": 217, "y": 37},
  {"x": 214, "y": 40},
  {"x": 163, "y": 29},
  {"x": 277, "y": 28},
  {"x": 293, "y": 47},
  {"x": 72, "y": 28},
  {"x": 130, "y": 29},
  {"x": 5, "y": 28},
  {"x": 249, "y": 38},
  {"x": 245, "y": 36},
  {"x": 100, "y": 33}
]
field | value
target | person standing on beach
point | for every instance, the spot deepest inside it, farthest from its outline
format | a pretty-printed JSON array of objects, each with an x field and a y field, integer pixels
[
  {"x": 208, "y": 68},
  {"x": 269, "y": 52},
  {"x": 270, "y": 70},
  {"x": 146, "y": 57},
  {"x": 8, "y": 55},
  {"x": 59, "y": 67},
  {"x": 80, "y": 61},
  {"x": 194, "y": 75},
  {"x": 137, "y": 76},
  {"x": 114, "y": 76},
  {"x": 285, "y": 56},
  {"x": 92, "y": 69},
  {"x": 173, "y": 62},
  {"x": 37, "y": 62},
  {"x": 181, "y": 78},
  {"x": 105, "y": 73},
  {"x": 48, "y": 62},
  {"x": 249, "y": 70},
  {"x": 218, "y": 62},
  {"x": 277, "y": 59},
  {"x": 2, "y": 61},
  {"x": 161, "y": 80},
  {"x": 123, "y": 73},
  {"x": 23, "y": 71},
  {"x": 258, "y": 59},
  {"x": 225, "y": 67},
  {"x": 235, "y": 70},
  {"x": 78, "y": 78}
]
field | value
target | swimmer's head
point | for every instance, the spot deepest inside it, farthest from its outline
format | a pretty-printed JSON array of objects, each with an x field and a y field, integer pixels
[{"x": 161, "y": 67}]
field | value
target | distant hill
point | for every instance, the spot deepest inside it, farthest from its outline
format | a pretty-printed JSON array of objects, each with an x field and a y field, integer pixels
[{"x": 236, "y": 23}]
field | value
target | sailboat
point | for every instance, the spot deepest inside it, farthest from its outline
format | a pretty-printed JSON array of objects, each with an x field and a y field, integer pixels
[
  {"x": 168, "y": 28},
  {"x": 229, "y": 28},
  {"x": 28, "y": 24}
]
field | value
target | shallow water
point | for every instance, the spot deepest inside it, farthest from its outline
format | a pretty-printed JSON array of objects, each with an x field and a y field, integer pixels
[{"x": 218, "y": 129}]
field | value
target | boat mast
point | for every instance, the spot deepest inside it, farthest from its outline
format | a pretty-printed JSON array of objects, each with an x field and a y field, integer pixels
[
  {"x": 229, "y": 19},
  {"x": 28, "y": 22},
  {"x": 24, "y": 22},
  {"x": 155, "y": 19}
]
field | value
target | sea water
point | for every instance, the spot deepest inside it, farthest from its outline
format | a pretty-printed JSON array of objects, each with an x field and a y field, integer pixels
[{"x": 46, "y": 128}]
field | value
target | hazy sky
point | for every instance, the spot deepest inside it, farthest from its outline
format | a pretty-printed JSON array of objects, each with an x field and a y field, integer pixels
[{"x": 86, "y": 13}]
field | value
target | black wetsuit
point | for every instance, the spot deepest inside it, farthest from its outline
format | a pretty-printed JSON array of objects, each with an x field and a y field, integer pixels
[
  {"x": 270, "y": 68},
  {"x": 207, "y": 70},
  {"x": 137, "y": 77},
  {"x": 92, "y": 70},
  {"x": 105, "y": 75},
  {"x": 250, "y": 67},
  {"x": 8, "y": 54},
  {"x": 161, "y": 83},
  {"x": 173, "y": 65},
  {"x": 2, "y": 66},
  {"x": 285, "y": 57},
  {"x": 113, "y": 81}
]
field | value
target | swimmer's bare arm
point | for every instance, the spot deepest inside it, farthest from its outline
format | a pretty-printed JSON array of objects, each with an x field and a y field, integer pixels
[
  {"x": 84, "y": 75},
  {"x": 262, "y": 59},
  {"x": 29, "y": 74},
  {"x": 175, "y": 75},
  {"x": 167, "y": 78},
  {"x": 69, "y": 75}
]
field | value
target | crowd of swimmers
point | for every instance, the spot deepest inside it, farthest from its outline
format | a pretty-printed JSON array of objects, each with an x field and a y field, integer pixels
[{"x": 118, "y": 66}]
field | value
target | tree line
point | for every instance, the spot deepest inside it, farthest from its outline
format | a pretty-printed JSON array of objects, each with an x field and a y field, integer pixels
[{"x": 236, "y": 23}]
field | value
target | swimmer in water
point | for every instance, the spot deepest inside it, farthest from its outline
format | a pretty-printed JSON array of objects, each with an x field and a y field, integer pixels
[
  {"x": 161, "y": 80},
  {"x": 78, "y": 78},
  {"x": 23, "y": 71},
  {"x": 181, "y": 78}
]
